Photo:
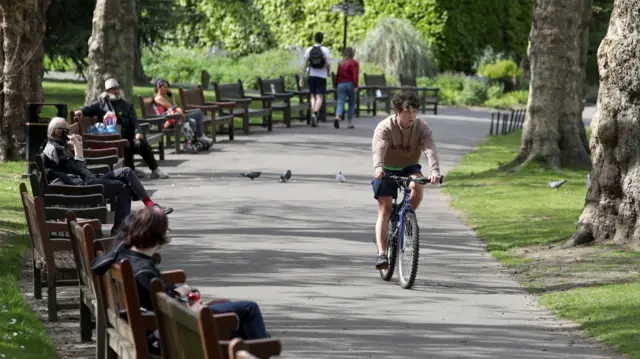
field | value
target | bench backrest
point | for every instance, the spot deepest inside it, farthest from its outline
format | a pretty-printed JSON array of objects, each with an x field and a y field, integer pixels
[
  {"x": 182, "y": 335},
  {"x": 121, "y": 298},
  {"x": 408, "y": 81},
  {"x": 231, "y": 90},
  {"x": 78, "y": 236},
  {"x": 271, "y": 86},
  {"x": 193, "y": 96},
  {"x": 146, "y": 106},
  {"x": 36, "y": 223}
]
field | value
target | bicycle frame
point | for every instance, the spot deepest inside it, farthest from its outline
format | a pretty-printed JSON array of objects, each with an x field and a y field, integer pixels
[{"x": 406, "y": 206}]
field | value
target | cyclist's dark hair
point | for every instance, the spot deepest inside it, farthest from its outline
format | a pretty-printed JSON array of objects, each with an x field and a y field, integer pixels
[
  {"x": 405, "y": 100},
  {"x": 318, "y": 37}
]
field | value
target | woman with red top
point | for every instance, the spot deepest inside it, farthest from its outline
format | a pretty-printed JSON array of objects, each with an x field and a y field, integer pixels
[{"x": 347, "y": 79}]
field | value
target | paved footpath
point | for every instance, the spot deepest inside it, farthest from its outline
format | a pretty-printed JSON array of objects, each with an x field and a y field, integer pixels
[{"x": 303, "y": 250}]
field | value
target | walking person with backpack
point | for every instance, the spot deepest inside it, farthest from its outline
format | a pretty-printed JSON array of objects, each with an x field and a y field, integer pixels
[{"x": 317, "y": 66}]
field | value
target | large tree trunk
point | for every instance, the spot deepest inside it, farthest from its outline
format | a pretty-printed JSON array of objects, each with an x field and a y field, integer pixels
[
  {"x": 611, "y": 210},
  {"x": 554, "y": 130},
  {"x": 139, "y": 76},
  {"x": 21, "y": 59},
  {"x": 112, "y": 47}
]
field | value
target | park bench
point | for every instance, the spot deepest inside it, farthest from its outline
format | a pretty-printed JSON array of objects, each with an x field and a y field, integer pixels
[
  {"x": 171, "y": 135},
  {"x": 282, "y": 100},
  {"x": 193, "y": 99},
  {"x": 85, "y": 245},
  {"x": 428, "y": 95},
  {"x": 148, "y": 126},
  {"x": 375, "y": 90},
  {"x": 178, "y": 325},
  {"x": 234, "y": 92},
  {"x": 329, "y": 101},
  {"x": 52, "y": 259}
]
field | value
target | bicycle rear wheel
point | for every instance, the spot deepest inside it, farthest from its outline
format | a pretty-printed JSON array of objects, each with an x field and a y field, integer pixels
[
  {"x": 410, "y": 253},
  {"x": 392, "y": 246}
]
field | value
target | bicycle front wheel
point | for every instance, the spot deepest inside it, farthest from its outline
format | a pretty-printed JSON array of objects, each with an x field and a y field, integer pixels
[
  {"x": 392, "y": 247},
  {"x": 409, "y": 251}
]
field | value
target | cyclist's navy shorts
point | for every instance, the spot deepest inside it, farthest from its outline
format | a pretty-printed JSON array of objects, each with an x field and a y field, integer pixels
[{"x": 386, "y": 188}]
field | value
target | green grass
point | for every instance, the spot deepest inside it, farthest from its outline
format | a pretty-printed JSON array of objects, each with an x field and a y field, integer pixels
[
  {"x": 72, "y": 94},
  {"x": 511, "y": 210},
  {"x": 609, "y": 312},
  {"x": 22, "y": 335}
]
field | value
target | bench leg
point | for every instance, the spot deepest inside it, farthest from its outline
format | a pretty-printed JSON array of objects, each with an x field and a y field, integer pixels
[
  {"x": 52, "y": 299},
  {"x": 176, "y": 137},
  {"x": 287, "y": 116},
  {"x": 161, "y": 150},
  {"x": 435, "y": 108},
  {"x": 214, "y": 132},
  {"x": 37, "y": 282},
  {"x": 101, "y": 339},
  {"x": 231, "y": 129},
  {"x": 245, "y": 122},
  {"x": 375, "y": 107},
  {"x": 85, "y": 319},
  {"x": 269, "y": 122}
]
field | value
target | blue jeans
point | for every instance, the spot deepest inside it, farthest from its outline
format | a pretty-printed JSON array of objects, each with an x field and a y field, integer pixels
[
  {"x": 345, "y": 89},
  {"x": 250, "y": 318}
]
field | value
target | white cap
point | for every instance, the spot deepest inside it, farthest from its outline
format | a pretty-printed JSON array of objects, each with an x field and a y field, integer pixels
[{"x": 111, "y": 83}]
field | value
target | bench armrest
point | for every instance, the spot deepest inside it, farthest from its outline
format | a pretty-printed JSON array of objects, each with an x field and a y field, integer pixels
[
  {"x": 106, "y": 160},
  {"x": 157, "y": 120},
  {"x": 268, "y": 98},
  {"x": 173, "y": 276},
  {"x": 222, "y": 104},
  {"x": 201, "y": 107},
  {"x": 242, "y": 101}
]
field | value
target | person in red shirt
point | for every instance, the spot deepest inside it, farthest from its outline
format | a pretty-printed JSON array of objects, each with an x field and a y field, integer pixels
[{"x": 347, "y": 87}]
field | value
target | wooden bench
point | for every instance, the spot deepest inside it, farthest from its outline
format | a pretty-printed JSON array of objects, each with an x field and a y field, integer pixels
[
  {"x": 193, "y": 99},
  {"x": 328, "y": 101},
  {"x": 171, "y": 135},
  {"x": 185, "y": 334},
  {"x": 51, "y": 258},
  {"x": 84, "y": 244},
  {"x": 428, "y": 95},
  {"x": 234, "y": 92},
  {"x": 375, "y": 90},
  {"x": 282, "y": 100}
]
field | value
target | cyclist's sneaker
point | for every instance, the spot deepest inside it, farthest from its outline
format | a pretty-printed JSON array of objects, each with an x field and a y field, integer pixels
[
  {"x": 336, "y": 123},
  {"x": 314, "y": 120},
  {"x": 382, "y": 262}
]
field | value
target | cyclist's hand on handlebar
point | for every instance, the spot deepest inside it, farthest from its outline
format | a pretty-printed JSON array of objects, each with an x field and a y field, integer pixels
[
  {"x": 379, "y": 173},
  {"x": 435, "y": 178}
]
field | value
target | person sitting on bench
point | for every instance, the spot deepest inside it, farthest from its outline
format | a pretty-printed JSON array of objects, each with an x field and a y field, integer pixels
[{"x": 63, "y": 167}]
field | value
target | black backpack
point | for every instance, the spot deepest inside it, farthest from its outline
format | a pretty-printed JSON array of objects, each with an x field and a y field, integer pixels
[{"x": 316, "y": 58}]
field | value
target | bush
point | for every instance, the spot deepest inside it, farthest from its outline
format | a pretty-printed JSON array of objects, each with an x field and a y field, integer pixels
[
  {"x": 509, "y": 100},
  {"x": 500, "y": 70},
  {"x": 495, "y": 91},
  {"x": 58, "y": 64},
  {"x": 473, "y": 93}
]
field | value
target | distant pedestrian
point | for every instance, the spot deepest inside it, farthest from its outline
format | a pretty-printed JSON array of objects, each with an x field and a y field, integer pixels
[
  {"x": 347, "y": 80},
  {"x": 317, "y": 67}
]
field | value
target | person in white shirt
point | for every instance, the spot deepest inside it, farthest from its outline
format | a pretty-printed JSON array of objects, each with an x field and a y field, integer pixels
[{"x": 317, "y": 67}]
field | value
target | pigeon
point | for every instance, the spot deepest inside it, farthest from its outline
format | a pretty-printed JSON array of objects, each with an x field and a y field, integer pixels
[
  {"x": 339, "y": 177},
  {"x": 588, "y": 180},
  {"x": 557, "y": 184},
  {"x": 285, "y": 176},
  {"x": 251, "y": 175}
]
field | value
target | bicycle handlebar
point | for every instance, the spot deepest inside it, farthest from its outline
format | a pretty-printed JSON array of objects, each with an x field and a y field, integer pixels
[{"x": 422, "y": 180}]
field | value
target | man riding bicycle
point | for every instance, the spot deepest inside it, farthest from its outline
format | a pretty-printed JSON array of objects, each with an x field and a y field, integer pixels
[{"x": 398, "y": 142}]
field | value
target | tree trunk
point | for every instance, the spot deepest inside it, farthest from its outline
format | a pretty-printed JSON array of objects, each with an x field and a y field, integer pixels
[
  {"x": 22, "y": 55},
  {"x": 139, "y": 76},
  {"x": 111, "y": 47},
  {"x": 554, "y": 130},
  {"x": 611, "y": 210}
]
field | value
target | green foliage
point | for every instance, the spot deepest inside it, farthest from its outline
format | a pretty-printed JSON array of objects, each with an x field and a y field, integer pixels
[
  {"x": 500, "y": 70},
  {"x": 473, "y": 93},
  {"x": 495, "y": 91},
  {"x": 509, "y": 100},
  {"x": 397, "y": 47}
]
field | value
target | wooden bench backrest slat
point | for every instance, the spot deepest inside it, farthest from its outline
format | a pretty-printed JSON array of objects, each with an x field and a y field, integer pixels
[
  {"x": 231, "y": 90},
  {"x": 193, "y": 96},
  {"x": 408, "y": 81},
  {"x": 268, "y": 86},
  {"x": 146, "y": 106},
  {"x": 78, "y": 235},
  {"x": 122, "y": 297},
  {"x": 180, "y": 333},
  {"x": 34, "y": 212}
]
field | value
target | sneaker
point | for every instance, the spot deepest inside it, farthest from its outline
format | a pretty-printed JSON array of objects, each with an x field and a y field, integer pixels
[
  {"x": 190, "y": 148},
  {"x": 158, "y": 173},
  {"x": 167, "y": 210},
  {"x": 351, "y": 126},
  {"x": 336, "y": 123},
  {"x": 314, "y": 120},
  {"x": 204, "y": 138},
  {"x": 382, "y": 262},
  {"x": 139, "y": 173}
]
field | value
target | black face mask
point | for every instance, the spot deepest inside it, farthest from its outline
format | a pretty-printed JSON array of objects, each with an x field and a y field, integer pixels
[{"x": 65, "y": 134}]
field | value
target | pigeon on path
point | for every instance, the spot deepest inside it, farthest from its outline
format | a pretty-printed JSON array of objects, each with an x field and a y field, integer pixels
[
  {"x": 285, "y": 177},
  {"x": 339, "y": 177},
  {"x": 251, "y": 175},
  {"x": 557, "y": 184}
]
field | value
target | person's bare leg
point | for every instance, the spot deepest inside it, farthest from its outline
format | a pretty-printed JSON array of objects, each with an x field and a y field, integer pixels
[
  {"x": 382, "y": 224},
  {"x": 417, "y": 192},
  {"x": 317, "y": 105}
]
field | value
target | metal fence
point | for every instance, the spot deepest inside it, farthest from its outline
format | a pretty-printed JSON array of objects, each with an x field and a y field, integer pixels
[{"x": 503, "y": 123}]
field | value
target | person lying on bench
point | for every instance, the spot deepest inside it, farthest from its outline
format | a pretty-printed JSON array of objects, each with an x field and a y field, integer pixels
[
  {"x": 63, "y": 167},
  {"x": 112, "y": 100},
  {"x": 146, "y": 234}
]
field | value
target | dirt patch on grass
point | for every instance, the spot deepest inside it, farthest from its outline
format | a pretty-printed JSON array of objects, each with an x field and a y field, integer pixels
[
  {"x": 551, "y": 268},
  {"x": 65, "y": 333}
]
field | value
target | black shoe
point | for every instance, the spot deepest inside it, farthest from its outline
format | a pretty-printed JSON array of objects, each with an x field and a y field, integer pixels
[
  {"x": 167, "y": 210},
  {"x": 382, "y": 262},
  {"x": 336, "y": 123}
]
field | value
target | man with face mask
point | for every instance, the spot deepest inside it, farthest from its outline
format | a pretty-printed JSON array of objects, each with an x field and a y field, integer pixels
[
  {"x": 64, "y": 167},
  {"x": 111, "y": 100}
]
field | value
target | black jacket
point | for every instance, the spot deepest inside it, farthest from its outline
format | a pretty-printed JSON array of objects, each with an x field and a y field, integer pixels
[
  {"x": 124, "y": 111},
  {"x": 61, "y": 165},
  {"x": 144, "y": 271}
]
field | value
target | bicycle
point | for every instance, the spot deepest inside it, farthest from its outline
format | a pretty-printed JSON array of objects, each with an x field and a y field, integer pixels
[{"x": 403, "y": 225}]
